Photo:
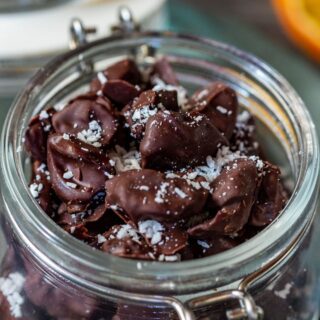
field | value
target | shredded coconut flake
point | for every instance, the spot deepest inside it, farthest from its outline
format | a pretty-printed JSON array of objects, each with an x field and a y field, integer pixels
[
  {"x": 180, "y": 193},
  {"x": 59, "y": 106},
  {"x": 102, "y": 78},
  {"x": 11, "y": 288},
  {"x": 283, "y": 294},
  {"x": 144, "y": 188},
  {"x": 243, "y": 117},
  {"x": 211, "y": 170},
  {"x": 198, "y": 118},
  {"x": 92, "y": 135},
  {"x": 171, "y": 258},
  {"x": 161, "y": 193},
  {"x": 202, "y": 94},
  {"x": 47, "y": 128},
  {"x": 71, "y": 185},
  {"x": 42, "y": 167},
  {"x": 222, "y": 109},
  {"x": 142, "y": 115},
  {"x": 35, "y": 189},
  {"x": 163, "y": 257},
  {"x": 258, "y": 161},
  {"x": 152, "y": 230},
  {"x": 101, "y": 239},
  {"x": 65, "y": 136},
  {"x": 203, "y": 244},
  {"x": 43, "y": 115},
  {"x": 125, "y": 160},
  {"x": 125, "y": 231},
  {"x": 68, "y": 175}
]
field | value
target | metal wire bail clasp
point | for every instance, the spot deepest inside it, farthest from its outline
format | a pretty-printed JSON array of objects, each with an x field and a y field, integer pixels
[
  {"x": 79, "y": 33},
  {"x": 126, "y": 23},
  {"x": 248, "y": 309},
  {"x": 143, "y": 54}
]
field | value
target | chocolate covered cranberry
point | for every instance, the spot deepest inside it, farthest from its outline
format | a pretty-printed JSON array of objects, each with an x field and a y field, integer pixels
[
  {"x": 148, "y": 194},
  {"x": 41, "y": 189},
  {"x": 233, "y": 194},
  {"x": 146, "y": 105},
  {"x": 271, "y": 198},
  {"x": 37, "y": 134},
  {"x": 89, "y": 118},
  {"x": 125, "y": 241},
  {"x": 120, "y": 92},
  {"x": 220, "y": 104},
  {"x": 77, "y": 170},
  {"x": 175, "y": 140},
  {"x": 5, "y": 308},
  {"x": 124, "y": 70}
]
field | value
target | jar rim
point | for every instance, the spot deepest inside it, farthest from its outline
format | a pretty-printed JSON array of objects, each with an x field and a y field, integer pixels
[{"x": 111, "y": 271}]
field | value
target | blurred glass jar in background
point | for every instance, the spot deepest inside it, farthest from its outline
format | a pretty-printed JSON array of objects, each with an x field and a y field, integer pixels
[
  {"x": 17, "y": 5},
  {"x": 25, "y": 46},
  {"x": 54, "y": 276}
]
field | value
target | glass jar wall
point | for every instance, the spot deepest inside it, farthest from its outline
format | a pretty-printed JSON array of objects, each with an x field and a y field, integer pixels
[{"x": 47, "y": 274}]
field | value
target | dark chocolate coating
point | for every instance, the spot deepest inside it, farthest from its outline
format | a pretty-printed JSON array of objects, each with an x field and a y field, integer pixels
[
  {"x": 174, "y": 240},
  {"x": 120, "y": 92},
  {"x": 164, "y": 71},
  {"x": 124, "y": 70},
  {"x": 46, "y": 199},
  {"x": 5, "y": 308},
  {"x": 36, "y": 136},
  {"x": 55, "y": 300},
  {"x": 271, "y": 198},
  {"x": 152, "y": 100},
  {"x": 77, "y": 115},
  {"x": 138, "y": 193},
  {"x": 174, "y": 140},
  {"x": 233, "y": 194},
  {"x": 125, "y": 247},
  {"x": 87, "y": 164},
  {"x": 220, "y": 104}
]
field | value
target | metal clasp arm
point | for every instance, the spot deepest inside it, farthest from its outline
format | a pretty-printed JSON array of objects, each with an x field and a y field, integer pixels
[{"x": 248, "y": 309}]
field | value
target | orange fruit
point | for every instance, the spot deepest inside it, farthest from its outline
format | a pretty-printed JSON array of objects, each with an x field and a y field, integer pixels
[{"x": 301, "y": 21}]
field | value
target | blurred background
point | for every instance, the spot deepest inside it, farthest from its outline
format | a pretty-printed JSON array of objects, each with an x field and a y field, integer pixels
[{"x": 284, "y": 33}]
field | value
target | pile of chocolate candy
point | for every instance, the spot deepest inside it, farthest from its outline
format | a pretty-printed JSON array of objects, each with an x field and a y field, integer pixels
[{"x": 137, "y": 168}]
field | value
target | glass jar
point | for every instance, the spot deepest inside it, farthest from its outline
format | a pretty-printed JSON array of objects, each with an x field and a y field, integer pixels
[{"x": 272, "y": 276}]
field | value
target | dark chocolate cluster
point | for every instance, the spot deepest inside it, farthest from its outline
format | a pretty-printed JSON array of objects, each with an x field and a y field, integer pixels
[{"x": 136, "y": 168}]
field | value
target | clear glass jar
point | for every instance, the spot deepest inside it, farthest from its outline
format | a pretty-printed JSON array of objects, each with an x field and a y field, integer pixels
[{"x": 62, "y": 278}]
